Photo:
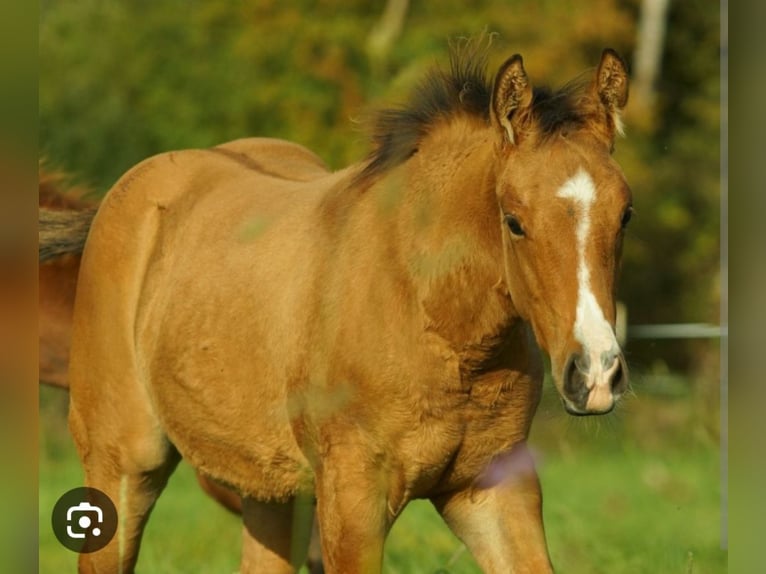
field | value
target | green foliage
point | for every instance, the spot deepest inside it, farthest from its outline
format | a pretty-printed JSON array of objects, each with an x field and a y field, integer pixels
[
  {"x": 123, "y": 80},
  {"x": 120, "y": 81}
]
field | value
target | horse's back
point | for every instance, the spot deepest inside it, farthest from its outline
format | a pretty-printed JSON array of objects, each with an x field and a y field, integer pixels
[
  {"x": 280, "y": 158},
  {"x": 191, "y": 259}
]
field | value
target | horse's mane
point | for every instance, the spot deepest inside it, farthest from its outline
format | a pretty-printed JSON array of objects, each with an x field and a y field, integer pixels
[{"x": 464, "y": 89}]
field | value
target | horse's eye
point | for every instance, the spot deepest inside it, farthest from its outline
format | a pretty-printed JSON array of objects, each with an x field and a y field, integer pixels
[
  {"x": 514, "y": 226},
  {"x": 627, "y": 214}
]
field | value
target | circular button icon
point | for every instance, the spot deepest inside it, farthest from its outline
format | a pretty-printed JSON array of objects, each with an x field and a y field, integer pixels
[{"x": 84, "y": 519}]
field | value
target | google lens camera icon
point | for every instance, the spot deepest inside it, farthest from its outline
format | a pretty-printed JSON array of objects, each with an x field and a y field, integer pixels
[
  {"x": 84, "y": 519},
  {"x": 83, "y": 515}
]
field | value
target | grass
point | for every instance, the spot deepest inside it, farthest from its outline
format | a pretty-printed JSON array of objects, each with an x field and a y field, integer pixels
[{"x": 633, "y": 493}]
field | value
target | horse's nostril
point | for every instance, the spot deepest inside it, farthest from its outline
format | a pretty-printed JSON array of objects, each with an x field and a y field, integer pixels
[
  {"x": 574, "y": 380},
  {"x": 620, "y": 377},
  {"x": 569, "y": 372}
]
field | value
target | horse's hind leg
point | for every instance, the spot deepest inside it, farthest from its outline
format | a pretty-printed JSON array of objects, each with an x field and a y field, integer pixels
[
  {"x": 275, "y": 537},
  {"x": 125, "y": 455}
]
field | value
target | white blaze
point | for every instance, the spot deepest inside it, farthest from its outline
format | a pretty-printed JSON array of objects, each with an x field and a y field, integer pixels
[{"x": 591, "y": 329}]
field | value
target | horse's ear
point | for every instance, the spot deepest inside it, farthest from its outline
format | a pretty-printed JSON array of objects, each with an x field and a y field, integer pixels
[
  {"x": 511, "y": 98},
  {"x": 611, "y": 88}
]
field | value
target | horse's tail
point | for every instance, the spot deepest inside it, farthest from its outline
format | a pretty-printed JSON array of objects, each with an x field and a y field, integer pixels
[{"x": 63, "y": 231}]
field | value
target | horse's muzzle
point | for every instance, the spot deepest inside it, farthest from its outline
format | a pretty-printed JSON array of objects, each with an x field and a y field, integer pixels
[{"x": 593, "y": 389}]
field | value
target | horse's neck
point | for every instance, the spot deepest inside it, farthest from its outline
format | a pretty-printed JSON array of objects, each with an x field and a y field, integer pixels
[{"x": 456, "y": 252}]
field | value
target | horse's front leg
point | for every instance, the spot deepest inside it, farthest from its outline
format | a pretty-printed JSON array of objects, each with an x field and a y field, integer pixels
[
  {"x": 501, "y": 523},
  {"x": 352, "y": 515}
]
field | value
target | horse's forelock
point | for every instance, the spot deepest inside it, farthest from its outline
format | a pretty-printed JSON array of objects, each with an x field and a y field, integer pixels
[{"x": 568, "y": 108}]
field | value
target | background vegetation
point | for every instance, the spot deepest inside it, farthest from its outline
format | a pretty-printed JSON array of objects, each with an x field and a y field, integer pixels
[{"x": 120, "y": 81}]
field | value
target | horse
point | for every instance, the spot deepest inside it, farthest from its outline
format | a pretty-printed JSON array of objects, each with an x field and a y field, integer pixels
[{"x": 366, "y": 336}]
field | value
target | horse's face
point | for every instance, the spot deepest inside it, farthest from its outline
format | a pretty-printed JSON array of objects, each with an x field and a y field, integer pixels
[
  {"x": 564, "y": 204},
  {"x": 563, "y": 225}
]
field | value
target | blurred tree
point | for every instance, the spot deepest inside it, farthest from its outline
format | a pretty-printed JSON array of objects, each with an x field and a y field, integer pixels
[
  {"x": 386, "y": 32},
  {"x": 649, "y": 48}
]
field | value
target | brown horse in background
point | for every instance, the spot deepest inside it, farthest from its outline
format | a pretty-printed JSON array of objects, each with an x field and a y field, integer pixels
[
  {"x": 57, "y": 285},
  {"x": 368, "y": 336}
]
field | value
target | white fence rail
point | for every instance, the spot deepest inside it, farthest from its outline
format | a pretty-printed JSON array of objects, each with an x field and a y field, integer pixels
[
  {"x": 665, "y": 330},
  {"x": 677, "y": 331}
]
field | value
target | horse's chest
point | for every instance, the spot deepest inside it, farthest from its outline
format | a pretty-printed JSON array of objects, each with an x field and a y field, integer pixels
[{"x": 494, "y": 416}]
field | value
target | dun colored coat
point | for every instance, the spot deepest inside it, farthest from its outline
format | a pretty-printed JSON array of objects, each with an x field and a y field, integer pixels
[{"x": 368, "y": 336}]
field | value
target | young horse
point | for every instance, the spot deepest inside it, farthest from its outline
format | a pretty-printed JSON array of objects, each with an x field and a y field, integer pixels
[{"x": 369, "y": 335}]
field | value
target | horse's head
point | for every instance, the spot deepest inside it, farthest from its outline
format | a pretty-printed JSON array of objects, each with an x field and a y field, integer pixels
[{"x": 564, "y": 205}]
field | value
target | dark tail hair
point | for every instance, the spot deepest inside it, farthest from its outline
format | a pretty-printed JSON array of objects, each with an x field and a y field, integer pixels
[{"x": 63, "y": 231}]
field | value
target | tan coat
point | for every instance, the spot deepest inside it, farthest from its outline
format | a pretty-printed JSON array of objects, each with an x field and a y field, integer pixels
[{"x": 367, "y": 336}]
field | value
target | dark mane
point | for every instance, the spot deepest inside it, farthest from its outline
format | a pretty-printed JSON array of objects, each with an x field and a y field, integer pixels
[
  {"x": 396, "y": 132},
  {"x": 464, "y": 88}
]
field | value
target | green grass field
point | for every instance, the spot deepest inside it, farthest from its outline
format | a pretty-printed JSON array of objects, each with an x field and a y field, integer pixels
[{"x": 635, "y": 492}]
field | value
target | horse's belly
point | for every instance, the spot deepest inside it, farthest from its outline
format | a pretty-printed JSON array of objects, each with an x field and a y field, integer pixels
[
  {"x": 234, "y": 430},
  {"x": 217, "y": 370}
]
